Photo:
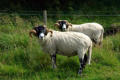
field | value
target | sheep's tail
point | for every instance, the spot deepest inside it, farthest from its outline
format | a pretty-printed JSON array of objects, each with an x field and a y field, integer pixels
[
  {"x": 89, "y": 54},
  {"x": 101, "y": 37}
]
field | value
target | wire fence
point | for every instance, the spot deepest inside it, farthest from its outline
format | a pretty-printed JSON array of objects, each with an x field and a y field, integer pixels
[{"x": 62, "y": 13}]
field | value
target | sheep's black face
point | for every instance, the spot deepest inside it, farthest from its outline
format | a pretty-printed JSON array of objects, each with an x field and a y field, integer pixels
[
  {"x": 40, "y": 31},
  {"x": 63, "y": 25}
]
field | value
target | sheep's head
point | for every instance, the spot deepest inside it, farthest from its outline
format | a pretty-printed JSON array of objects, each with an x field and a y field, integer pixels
[
  {"x": 62, "y": 25},
  {"x": 40, "y": 31}
]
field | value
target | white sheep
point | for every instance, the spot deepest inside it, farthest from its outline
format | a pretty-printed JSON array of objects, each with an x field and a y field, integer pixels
[
  {"x": 93, "y": 30},
  {"x": 64, "y": 43}
]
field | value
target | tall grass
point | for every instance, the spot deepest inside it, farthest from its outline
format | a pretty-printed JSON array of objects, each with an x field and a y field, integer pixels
[{"x": 22, "y": 58}]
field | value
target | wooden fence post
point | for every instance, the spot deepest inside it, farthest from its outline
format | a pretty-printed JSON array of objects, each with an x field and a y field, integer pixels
[{"x": 45, "y": 17}]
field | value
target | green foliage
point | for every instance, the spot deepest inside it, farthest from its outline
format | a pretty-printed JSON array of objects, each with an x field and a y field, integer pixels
[
  {"x": 22, "y": 58},
  {"x": 8, "y": 41}
]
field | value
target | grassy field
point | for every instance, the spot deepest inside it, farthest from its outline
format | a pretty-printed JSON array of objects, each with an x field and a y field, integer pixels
[{"x": 21, "y": 57}]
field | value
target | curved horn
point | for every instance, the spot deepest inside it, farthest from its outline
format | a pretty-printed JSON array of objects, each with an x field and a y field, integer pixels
[
  {"x": 44, "y": 26},
  {"x": 66, "y": 21},
  {"x": 58, "y": 21},
  {"x": 32, "y": 32},
  {"x": 69, "y": 24},
  {"x": 56, "y": 24},
  {"x": 50, "y": 32}
]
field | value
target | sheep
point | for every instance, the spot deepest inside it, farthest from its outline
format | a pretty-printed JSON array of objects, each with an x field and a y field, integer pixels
[
  {"x": 93, "y": 30},
  {"x": 64, "y": 43}
]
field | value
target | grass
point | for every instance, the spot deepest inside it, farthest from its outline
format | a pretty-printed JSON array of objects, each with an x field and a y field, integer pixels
[{"x": 21, "y": 58}]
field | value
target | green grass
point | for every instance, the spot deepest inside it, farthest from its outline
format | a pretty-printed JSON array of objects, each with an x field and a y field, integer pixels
[{"x": 21, "y": 57}]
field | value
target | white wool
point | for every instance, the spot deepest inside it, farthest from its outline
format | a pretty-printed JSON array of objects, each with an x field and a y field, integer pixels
[
  {"x": 66, "y": 43},
  {"x": 93, "y": 30}
]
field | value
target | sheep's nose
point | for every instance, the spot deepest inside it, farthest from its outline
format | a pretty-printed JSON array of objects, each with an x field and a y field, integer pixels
[
  {"x": 41, "y": 36},
  {"x": 64, "y": 27}
]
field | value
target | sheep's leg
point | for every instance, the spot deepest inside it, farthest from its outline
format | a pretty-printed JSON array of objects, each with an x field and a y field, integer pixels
[
  {"x": 84, "y": 60},
  {"x": 89, "y": 54},
  {"x": 53, "y": 58},
  {"x": 81, "y": 59},
  {"x": 81, "y": 66}
]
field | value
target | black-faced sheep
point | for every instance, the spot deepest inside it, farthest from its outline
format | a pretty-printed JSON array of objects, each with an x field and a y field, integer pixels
[
  {"x": 93, "y": 30},
  {"x": 64, "y": 43}
]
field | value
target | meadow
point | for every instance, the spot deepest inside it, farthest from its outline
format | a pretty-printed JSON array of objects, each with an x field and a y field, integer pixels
[{"x": 21, "y": 57}]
